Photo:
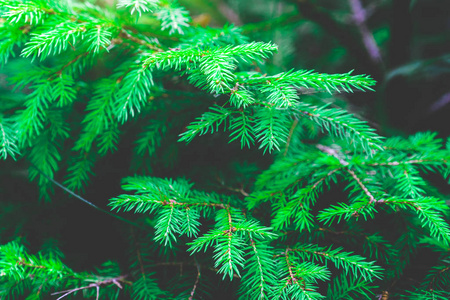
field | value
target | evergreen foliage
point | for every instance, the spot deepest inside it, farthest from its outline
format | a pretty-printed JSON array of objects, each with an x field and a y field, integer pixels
[{"x": 142, "y": 74}]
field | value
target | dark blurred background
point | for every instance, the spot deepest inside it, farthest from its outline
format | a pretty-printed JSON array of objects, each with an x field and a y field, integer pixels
[{"x": 403, "y": 44}]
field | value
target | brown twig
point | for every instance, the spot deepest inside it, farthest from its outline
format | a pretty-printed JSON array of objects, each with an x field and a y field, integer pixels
[
  {"x": 344, "y": 163},
  {"x": 22, "y": 263},
  {"x": 359, "y": 17},
  {"x": 323, "y": 178},
  {"x": 238, "y": 190},
  {"x": 291, "y": 131},
  {"x": 116, "y": 281},
  {"x": 124, "y": 34},
  {"x": 196, "y": 281},
  {"x": 138, "y": 253},
  {"x": 397, "y": 163},
  {"x": 332, "y": 152},
  {"x": 363, "y": 187},
  {"x": 291, "y": 274}
]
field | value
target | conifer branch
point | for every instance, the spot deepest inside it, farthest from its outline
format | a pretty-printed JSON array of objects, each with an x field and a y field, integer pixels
[
  {"x": 106, "y": 80},
  {"x": 345, "y": 260},
  {"x": 8, "y": 139}
]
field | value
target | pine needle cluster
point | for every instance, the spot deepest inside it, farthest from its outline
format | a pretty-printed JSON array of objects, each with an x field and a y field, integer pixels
[{"x": 93, "y": 76}]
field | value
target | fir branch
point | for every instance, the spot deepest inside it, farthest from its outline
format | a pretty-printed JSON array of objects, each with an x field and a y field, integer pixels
[
  {"x": 345, "y": 260},
  {"x": 100, "y": 114},
  {"x": 11, "y": 36},
  {"x": 32, "y": 12},
  {"x": 289, "y": 287},
  {"x": 271, "y": 128},
  {"x": 184, "y": 58},
  {"x": 44, "y": 156},
  {"x": 407, "y": 162},
  {"x": 208, "y": 37},
  {"x": 133, "y": 93},
  {"x": 422, "y": 294},
  {"x": 429, "y": 211},
  {"x": 150, "y": 138},
  {"x": 291, "y": 131},
  {"x": 127, "y": 34},
  {"x": 8, "y": 138},
  {"x": 174, "y": 18},
  {"x": 359, "y": 208},
  {"x": 146, "y": 288},
  {"x": 109, "y": 139},
  {"x": 31, "y": 120},
  {"x": 209, "y": 121},
  {"x": 228, "y": 250},
  {"x": 345, "y": 126},
  {"x": 241, "y": 128},
  {"x": 409, "y": 182},
  {"x": 343, "y": 288},
  {"x": 260, "y": 271},
  {"x": 140, "y": 6},
  {"x": 98, "y": 37},
  {"x": 308, "y": 79},
  {"x": 439, "y": 277},
  {"x": 167, "y": 225},
  {"x": 54, "y": 41},
  {"x": 79, "y": 171},
  {"x": 363, "y": 187}
]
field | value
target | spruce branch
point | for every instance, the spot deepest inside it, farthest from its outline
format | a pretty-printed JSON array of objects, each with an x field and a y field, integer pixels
[
  {"x": 343, "y": 288},
  {"x": 345, "y": 260},
  {"x": 193, "y": 57},
  {"x": 32, "y": 12},
  {"x": 343, "y": 125},
  {"x": 55, "y": 41},
  {"x": 260, "y": 270},
  {"x": 208, "y": 122},
  {"x": 146, "y": 288},
  {"x": 139, "y": 6},
  {"x": 174, "y": 18},
  {"x": 271, "y": 128},
  {"x": 320, "y": 81},
  {"x": 8, "y": 138},
  {"x": 11, "y": 37},
  {"x": 133, "y": 93},
  {"x": 429, "y": 210}
]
